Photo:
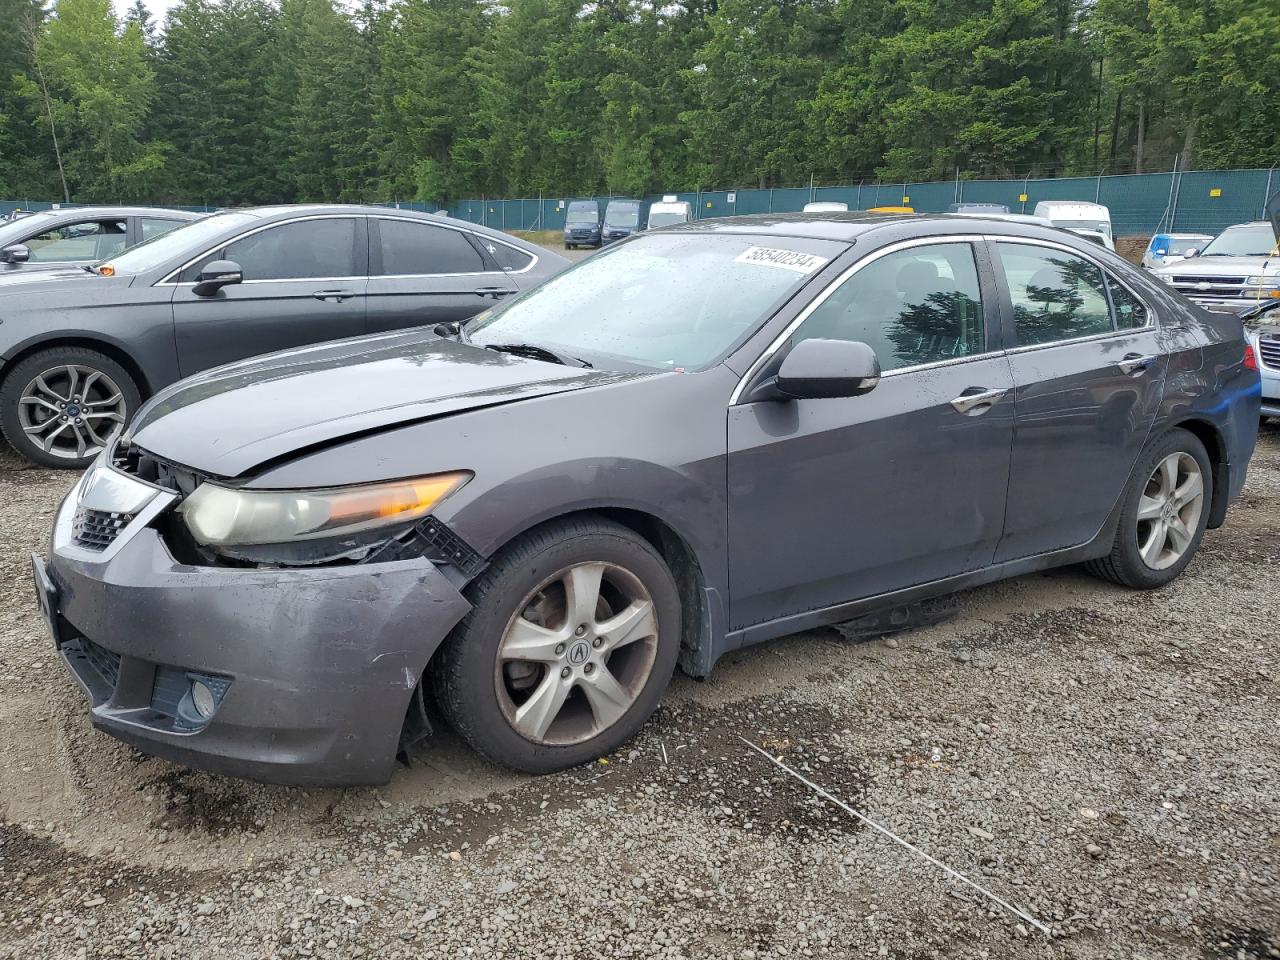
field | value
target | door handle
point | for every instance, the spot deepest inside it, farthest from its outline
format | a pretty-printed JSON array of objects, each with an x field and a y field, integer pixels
[
  {"x": 1133, "y": 362},
  {"x": 976, "y": 400},
  {"x": 496, "y": 292},
  {"x": 333, "y": 296}
]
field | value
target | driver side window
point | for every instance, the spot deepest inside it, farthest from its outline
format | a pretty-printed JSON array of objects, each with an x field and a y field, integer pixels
[
  {"x": 915, "y": 306},
  {"x": 92, "y": 240}
]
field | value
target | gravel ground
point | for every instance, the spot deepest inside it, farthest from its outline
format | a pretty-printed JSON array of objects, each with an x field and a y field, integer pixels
[{"x": 1105, "y": 760}]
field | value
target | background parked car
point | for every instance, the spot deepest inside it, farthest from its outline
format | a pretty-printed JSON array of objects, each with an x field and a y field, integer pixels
[
  {"x": 81, "y": 351},
  {"x": 1262, "y": 325},
  {"x": 622, "y": 218},
  {"x": 582, "y": 224},
  {"x": 671, "y": 210},
  {"x": 1169, "y": 248},
  {"x": 79, "y": 236},
  {"x": 826, "y": 206},
  {"x": 1090, "y": 220},
  {"x": 1235, "y": 270},
  {"x": 978, "y": 208}
]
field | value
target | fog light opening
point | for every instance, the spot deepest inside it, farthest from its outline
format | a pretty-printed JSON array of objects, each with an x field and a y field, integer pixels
[{"x": 203, "y": 700}]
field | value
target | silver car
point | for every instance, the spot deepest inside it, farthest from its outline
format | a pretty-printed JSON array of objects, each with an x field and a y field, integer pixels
[{"x": 1233, "y": 272}]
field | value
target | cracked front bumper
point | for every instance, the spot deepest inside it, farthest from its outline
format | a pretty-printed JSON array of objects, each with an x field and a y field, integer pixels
[{"x": 313, "y": 668}]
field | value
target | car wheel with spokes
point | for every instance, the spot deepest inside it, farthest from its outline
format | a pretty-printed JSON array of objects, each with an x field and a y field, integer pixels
[
  {"x": 571, "y": 641},
  {"x": 61, "y": 407},
  {"x": 1164, "y": 515}
]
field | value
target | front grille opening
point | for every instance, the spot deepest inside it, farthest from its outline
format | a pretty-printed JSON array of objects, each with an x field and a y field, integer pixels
[
  {"x": 98, "y": 529},
  {"x": 137, "y": 462}
]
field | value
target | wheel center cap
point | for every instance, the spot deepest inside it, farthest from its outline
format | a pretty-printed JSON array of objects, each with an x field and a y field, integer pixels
[
  {"x": 580, "y": 653},
  {"x": 73, "y": 410},
  {"x": 1168, "y": 512}
]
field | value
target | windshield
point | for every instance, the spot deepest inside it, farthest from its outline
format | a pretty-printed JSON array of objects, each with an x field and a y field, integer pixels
[
  {"x": 662, "y": 301},
  {"x": 582, "y": 213},
  {"x": 1247, "y": 240},
  {"x": 15, "y": 231},
  {"x": 186, "y": 241},
  {"x": 1177, "y": 248},
  {"x": 1101, "y": 226},
  {"x": 622, "y": 214},
  {"x": 663, "y": 218}
]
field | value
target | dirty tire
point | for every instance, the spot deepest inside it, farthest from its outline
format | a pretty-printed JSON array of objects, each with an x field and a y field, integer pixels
[
  {"x": 463, "y": 674},
  {"x": 1124, "y": 564},
  {"x": 22, "y": 373}
]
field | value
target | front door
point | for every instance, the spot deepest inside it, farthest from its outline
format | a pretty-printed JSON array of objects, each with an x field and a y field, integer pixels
[
  {"x": 1089, "y": 373},
  {"x": 424, "y": 273},
  {"x": 304, "y": 282},
  {"x": 837, "y": 500}
]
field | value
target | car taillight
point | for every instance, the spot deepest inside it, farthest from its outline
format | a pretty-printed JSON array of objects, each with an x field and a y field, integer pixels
[{"x": 1250, "y": 359}]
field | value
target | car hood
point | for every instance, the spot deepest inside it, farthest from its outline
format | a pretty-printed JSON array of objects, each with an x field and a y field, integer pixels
[
  {"x": 229, "y": 420},
  {"x": 1216, "y": 266}
]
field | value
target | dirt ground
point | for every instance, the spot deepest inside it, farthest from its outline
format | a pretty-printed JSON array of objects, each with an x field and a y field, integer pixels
[{"x": 1107, "y": 761}]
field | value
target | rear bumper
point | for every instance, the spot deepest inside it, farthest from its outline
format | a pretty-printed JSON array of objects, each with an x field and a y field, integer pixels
[{"x": 314, "y": 668}]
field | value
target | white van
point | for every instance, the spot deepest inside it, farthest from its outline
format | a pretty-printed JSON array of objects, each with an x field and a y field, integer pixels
[
  {"x": 1091, "y": 220},
  {"x": 671, "y": 210}
]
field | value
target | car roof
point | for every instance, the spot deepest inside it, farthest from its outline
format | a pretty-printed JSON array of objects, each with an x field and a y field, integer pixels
[
  {"x": 848, "y": 227},
  {"x": 119, "y": 212}
]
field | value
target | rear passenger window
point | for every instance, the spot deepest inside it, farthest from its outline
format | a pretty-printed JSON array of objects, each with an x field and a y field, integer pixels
[
  {"x": 920, "y": 305},
  {"x": 1056, "y": 295},
  {"x": 415, "y": 249},
  {"x": 155, "y": 227},
  {"x": 1130, "y": 313},
  {"x": 509, "y": 258}
]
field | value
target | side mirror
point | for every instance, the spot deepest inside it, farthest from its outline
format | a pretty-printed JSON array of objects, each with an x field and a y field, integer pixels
[
  {"x": 215, "y": 276},
  {"x": 827, "y": 369},
  {"x": 1193, "y": 252},
  {"x": 15, "y": 253}
]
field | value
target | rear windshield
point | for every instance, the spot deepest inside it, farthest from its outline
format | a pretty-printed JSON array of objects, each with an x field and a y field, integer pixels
[
  {"x": 661, "y": 301},
  {"x": 1246, "y": 240}
]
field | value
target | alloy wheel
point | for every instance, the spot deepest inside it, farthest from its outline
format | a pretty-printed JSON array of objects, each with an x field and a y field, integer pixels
[
  {"x": 1169, "y": 510},
  {"x": 71, "y": 411},
  {"x": 576, "y": 654}
]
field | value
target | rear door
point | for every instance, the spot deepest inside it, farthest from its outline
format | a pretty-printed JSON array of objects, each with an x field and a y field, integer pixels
[
  {"x": 1088, "y": 369},
  {"x": 425, "y": 273},
  {"x": 304, "y": 282}
]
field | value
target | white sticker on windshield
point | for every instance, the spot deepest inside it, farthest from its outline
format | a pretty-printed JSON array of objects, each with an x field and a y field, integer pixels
[{"x": 786, "y": 259}]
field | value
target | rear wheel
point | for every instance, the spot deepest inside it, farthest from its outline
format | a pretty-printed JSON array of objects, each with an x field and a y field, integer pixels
[
  {"x": 1164, "y": 516},
  {"x": 60, "y": 407},
  {"x": 572, "y": 639}
]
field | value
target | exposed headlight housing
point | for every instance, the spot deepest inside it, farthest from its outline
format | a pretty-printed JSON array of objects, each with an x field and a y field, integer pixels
[{"x": 222, "y": 517}]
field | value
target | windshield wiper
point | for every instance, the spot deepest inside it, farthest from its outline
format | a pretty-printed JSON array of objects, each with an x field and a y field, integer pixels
[{"x": 535, "y": 352}]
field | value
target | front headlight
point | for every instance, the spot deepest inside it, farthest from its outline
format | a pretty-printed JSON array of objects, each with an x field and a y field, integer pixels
[{"x": 219, "y": 516}]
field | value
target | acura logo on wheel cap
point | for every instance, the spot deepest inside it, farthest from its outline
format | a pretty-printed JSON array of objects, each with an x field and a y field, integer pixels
[{"x": 579, "y": 652}]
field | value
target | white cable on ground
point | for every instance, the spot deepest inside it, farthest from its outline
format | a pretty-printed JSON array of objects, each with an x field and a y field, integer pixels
[{"x": 896, "y": 839}]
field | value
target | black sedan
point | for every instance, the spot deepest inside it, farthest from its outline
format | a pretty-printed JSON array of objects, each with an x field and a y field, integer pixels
[
  {"x": 81, "y": 349},
  {"x": 698, "y": 439}
]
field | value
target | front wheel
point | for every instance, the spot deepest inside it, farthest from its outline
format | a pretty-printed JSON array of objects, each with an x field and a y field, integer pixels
[
  {"x": 60, "y": 407},
  {"x": 571, "y": 641},
  {"x": 1164, "y": 516}
]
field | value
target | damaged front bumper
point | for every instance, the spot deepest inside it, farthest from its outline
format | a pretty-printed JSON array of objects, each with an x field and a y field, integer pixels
[{"x": 306, "y": 674}]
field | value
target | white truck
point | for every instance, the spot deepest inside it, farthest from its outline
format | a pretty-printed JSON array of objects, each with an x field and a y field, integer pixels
[{"x": 1091, "y": 220}]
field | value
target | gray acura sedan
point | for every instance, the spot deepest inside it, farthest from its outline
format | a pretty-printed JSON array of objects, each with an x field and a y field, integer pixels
[
  {"x": 82, "y": 348},
  {"x": 699, "y": 439}
]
